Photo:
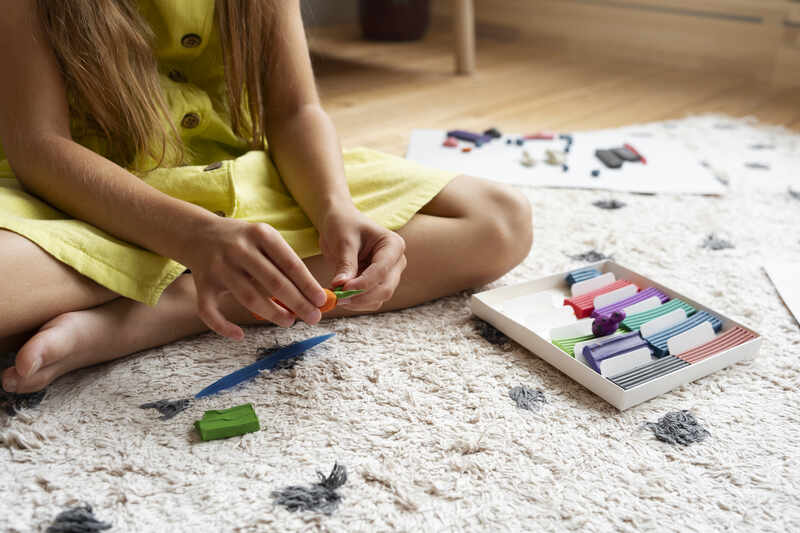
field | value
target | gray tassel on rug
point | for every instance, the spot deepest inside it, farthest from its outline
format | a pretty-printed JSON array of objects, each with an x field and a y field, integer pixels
[
  {"x": 527, "y": 398},
  {"x": 320, "y": 496},
  {"x": 168, "y": 408},
  {"x": 79, "y": 519},
  {"x": 678, "y": 427},
  {"x": 609, "y": 204},
  {"x": 489, "y": 333},
  {"x": 10, "y": 402},
  {"x": 14, "y": 402},
  {"x": 592, "y": 256},
  {"x": 712, "y": 242}
]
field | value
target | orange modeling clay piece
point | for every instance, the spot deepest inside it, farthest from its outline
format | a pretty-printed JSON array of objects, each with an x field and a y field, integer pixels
[
  {"x": 332, "y": 297},
  {"x": 330, "y": 301}
]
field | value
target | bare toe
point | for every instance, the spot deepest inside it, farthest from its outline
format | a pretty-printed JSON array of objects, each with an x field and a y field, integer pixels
[
  {"x": 37, "y": 382},
  {"x": 10, "y": 379},
  {"x": 44, "y": 357}
]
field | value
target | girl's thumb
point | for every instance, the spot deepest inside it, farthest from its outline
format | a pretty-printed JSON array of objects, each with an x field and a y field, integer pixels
[{"x": 345, "y": 271}]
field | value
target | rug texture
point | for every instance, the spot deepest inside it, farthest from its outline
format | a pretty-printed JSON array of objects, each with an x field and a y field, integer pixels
[{"x": 416, "y": 405}]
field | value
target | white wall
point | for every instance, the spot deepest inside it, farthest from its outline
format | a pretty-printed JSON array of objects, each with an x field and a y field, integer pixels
[{"x": 322, "y": 12}]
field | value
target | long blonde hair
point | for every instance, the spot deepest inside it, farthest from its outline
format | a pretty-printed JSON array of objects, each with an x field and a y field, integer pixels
[{"x": 105, "y": 51}]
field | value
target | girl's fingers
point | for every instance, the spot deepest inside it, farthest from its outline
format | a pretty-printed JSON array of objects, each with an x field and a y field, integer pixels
[
  {"x": 250, "y": 294},
  {"x": 346, "y": 266},
  {"x": 375, "y": 298},
  {"x": 209, "y": 313},
  {"x": 277, "y": 310},
  {"x": 274, "y": 283},
  {"x": 385, "y": 258},
  {"x": 275, "y": 247}
]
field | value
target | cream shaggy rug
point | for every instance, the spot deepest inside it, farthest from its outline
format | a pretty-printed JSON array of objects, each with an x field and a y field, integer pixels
[{"x": 415, "y": 403}]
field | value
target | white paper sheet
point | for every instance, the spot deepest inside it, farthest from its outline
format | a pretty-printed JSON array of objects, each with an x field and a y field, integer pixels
[
  {"x": 670, "y": 168},
  {"x": 786, "y": 278}
]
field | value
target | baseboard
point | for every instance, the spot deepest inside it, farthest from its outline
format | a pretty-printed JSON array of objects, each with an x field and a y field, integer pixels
[{"x": 757, "y": 39}]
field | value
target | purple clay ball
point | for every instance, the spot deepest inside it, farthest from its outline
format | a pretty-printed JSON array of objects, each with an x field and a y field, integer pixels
[{"x": 607, "y": 324}]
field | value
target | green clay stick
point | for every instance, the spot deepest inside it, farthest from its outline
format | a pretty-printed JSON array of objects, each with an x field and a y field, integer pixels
[{"x": 341, "y": 295}]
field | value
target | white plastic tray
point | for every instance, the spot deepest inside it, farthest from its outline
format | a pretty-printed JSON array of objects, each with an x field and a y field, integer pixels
[{"x": 487, "y": 306}]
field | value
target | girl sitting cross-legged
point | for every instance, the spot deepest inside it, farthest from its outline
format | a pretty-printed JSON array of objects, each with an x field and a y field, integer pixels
[{"x": 166, "y": 168}]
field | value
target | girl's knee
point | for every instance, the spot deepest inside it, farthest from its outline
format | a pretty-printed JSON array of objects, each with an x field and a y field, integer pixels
[
  {"x": 506, "y": 230},
  {"x": 512, "y": 222}
]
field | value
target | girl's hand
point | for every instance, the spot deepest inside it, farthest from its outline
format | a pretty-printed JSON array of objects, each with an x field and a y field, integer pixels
[
  {"x": 253, "y": 263},
  {"x": 366, "y": 256}
]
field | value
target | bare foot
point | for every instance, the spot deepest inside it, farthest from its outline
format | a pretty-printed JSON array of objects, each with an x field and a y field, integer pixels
[
  {"x": 109, "y": 331},
  {"x": 67, "y": 342}
]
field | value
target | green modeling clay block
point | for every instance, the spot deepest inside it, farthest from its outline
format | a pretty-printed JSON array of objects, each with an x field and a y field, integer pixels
[
  {"x": 568, "y": 345},
  {"x": 228, "y": 422},
  {"x": 634, "y": 322}
]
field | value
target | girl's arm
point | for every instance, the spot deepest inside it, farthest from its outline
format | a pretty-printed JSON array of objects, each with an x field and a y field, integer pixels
[
  {"x": 225, "y": 255},
  {"x": 34, "y": 129},
  {"x": 305, "y": 148},
  {"x": 302, "y": 139}
]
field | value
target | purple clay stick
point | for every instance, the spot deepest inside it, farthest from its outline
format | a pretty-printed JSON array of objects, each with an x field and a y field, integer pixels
[
  {"x": 464, "y": 135},
  {"x": 604, "y": 349},
  {"x": 605, "y": 325},
  {"x": 636, "y": 298}
]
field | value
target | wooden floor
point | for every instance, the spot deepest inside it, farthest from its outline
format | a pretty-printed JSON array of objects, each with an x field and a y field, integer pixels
[{"x": 377, "y": 92}]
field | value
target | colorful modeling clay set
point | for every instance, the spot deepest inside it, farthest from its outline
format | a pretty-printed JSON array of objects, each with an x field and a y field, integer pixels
[
  {"x": 660, "y": 336},
  {"x": 623, "y": 336}
]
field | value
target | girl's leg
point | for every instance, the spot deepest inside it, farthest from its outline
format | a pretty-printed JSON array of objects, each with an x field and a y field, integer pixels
[
  {"x": 473, "y": 232},
  {"x": 36, "y": 287}
]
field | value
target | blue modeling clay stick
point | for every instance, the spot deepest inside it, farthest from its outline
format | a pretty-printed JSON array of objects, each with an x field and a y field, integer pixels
[
  {"x": 267, "y": 363},
  {"x": 170, "y": 408}
]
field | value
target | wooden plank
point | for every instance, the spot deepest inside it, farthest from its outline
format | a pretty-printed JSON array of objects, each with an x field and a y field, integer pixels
[
  {"x": 681, "y": 33},
  {"x": 787, "y": 62},
  {"x": 739, "y": 100},
  {"x": 782, "y": 108},
  {"x": 483, "y": 101},
  {"x": 654, "y": 98},
  {"x": 376, "y": 100}
]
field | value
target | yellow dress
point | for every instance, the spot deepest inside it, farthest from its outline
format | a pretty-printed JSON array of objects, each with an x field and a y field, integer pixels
[{"x": 221, "y": 175}]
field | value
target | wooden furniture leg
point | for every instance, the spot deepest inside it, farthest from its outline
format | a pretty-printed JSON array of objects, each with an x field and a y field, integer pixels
[{"x": 464, "y": 24}]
